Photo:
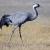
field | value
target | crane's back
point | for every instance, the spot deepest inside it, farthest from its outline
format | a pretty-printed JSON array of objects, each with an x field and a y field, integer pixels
[{"x": 19, "y": 17}]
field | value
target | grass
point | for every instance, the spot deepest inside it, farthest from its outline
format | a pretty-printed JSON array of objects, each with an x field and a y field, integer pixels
[{"x": 35, "y": 36}]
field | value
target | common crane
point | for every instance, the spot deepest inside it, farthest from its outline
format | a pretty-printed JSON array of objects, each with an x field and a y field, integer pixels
[{"x": 19, "y": 18}]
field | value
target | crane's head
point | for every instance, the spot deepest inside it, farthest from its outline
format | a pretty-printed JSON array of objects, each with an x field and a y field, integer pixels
[{"x": 36, "y": 5}]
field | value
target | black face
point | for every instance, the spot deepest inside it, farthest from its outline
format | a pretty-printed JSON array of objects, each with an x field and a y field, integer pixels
[{"x": 38, "y": 5}]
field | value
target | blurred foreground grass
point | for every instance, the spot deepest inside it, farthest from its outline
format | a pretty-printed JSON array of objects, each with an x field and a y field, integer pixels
[
  {"x": 31, "y": 33},
  {"x": 35, "y": 36}
]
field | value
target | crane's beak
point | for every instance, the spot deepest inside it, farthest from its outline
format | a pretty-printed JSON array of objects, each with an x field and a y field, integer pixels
[{"x": 38, "y": 5}]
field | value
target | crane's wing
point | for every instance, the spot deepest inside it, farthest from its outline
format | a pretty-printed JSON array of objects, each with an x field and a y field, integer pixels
[{"x": 18, "y": 17}]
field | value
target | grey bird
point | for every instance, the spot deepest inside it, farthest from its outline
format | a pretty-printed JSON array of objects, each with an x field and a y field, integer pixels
[{"x": 19, "y": 18}]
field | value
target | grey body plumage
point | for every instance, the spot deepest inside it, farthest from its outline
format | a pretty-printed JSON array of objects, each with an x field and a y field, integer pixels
[{"x": 19, "y": 18}]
